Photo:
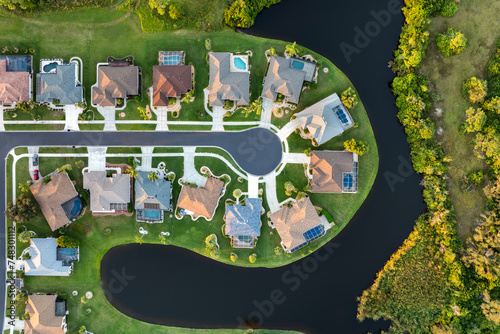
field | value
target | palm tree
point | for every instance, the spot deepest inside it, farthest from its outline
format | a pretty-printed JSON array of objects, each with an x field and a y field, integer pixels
[
  {"x": 152, "y": 176},
  {"x": 256, "y": 107},
  {"x": 25, "y": 236},
  {"x": 291, "y": 49},
  {"x": 133, "y": 172}
]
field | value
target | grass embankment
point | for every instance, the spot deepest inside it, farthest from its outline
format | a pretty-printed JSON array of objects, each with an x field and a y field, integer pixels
[{"x": 447, "y": 75}]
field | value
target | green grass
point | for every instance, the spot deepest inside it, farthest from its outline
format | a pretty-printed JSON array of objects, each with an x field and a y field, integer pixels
[
  {"x": 34, "y": 127},
  {"x": 446, "y": 76},
  {"x": 43, "y": 111}
]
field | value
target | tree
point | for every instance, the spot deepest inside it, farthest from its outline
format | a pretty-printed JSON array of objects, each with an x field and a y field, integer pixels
[
  {"x": 451, "y": 42},
  {"x": 491, "y": 308},
  {"x": 237, "y": 193},
  {"x": 233, "y": 257},
  {"x": 159, "y": 5},
  {"x": 24, "y": 188},
  {"x": 492, "y": 104},
  {"x": 271, "y": 52},
  {"x": 163, "y": 240},
  {"x": 359, "y": 147},
  {"x": 289, "y": 188},
  {"x": 153, "y": 176},
  {"x": 211, "y": 246},
  {"x": 24, "y": 209},
  {"x": 476, "y": 118},
  {"x": 291, "y": 49},
  {"x": 349, "y": 98},
  {"x": 255, "y": 106},
  {"x": 138, "y": 239},
  {"x": 65, "y": 241},
  {"x": 25, "y": 236},
  {"x": 174, "y": 11},
  {"x": 252, "y": 258},
  {"x": 449, "y": 8},
  {"x": 238, "y": 15},
  {"x": 475, "y": 89}
]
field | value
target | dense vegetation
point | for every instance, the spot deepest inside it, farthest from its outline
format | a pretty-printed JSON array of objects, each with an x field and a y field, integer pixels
[
  {"x": 242, "y": 13},
  {"x": 28, "y": 7},
  {"x": 426, "y": 286}
]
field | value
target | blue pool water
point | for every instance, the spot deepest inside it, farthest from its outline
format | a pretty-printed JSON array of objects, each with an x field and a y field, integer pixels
[
  {"x": 49, "y": 67},
  {"x": 297, "y": 64},
  {"x": 152, "y": 214},
  {"x": 239, "y": 64},
  {"x": 77, "y": 207},
  {"x": 67, "y": 251},
  {"x": 172, "y": 60}
]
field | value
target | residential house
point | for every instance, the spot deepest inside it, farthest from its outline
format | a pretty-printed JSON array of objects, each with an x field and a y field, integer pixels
[
  {"x": 286, "y": 76},
  {"x": 334, "y": 172},
  {"x": 152, "y": 198},
  {"x": 201, "y": 201},
  {"x": 297, "y": 225},
  {"x": 243, "y": 223},
  {"x": 109, "y": 193},
  {"x": 325, "y": 119},
  {"x": 58, "y": 199},
  {"x": 118, "y": 79},
  {"x": 171, "y": 78},
  {"x": 47, "y": 315},
  {"x": 58, "y": 83},
  {"x": 48, "y": 259},
  {"x": 227, "y": 81},
  {"x": 15, "y": 79}
]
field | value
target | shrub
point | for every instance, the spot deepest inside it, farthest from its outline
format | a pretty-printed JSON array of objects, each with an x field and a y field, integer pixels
[
  {"x": 234, "y": 257},
  {"x": 252, "y": 258},
  {"x": 449, "y": 8},
  {"x": 475, "y": 178},
  {"x": 65, "y": 241},
  {"x": 349, "y": 98},
  {"x": 175, "y": 12},
  {"x": 359, "y": 147},
  {"x": 451, "y": 42},
  {"x": 475, "y": 89},
  {"x": 475, "y": 120},
  {"x": 24, "y": 210}
]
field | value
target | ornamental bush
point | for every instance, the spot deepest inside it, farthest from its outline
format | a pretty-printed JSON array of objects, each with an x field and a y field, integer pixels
[
  {"x": 475, "y": 89},
  {"x": 451, "y": 42},
  {"x": 67, "y": 242},
  {"x": 359, "y": 147},
  {"x": 449, "y": 8},
  {"x": 349, "y": 98}
]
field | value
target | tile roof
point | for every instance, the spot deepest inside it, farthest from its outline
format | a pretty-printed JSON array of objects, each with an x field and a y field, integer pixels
[
  {"x": 328, "y": 167},
  {"x": 60, "y": 85},
  {"x": 151, "y": 192},
  {"x": 224, "y": 84},
  {"x": 244, "y": 220},
  {"x": 14, "y": 85},
  {"x": 115, "y": 82},
  {"x": 43, "y": 318},
  {"x": 170, "y": 81},
  {"x": 283, "y": 78},
  {"x": 322, "y": 121},
  {"x": 105, "y": 191},
  {"x": 201, "y": 201},
  {"x": 292, "y": 222},
  {"x": 51, "y": 197},
  {"x": 44, "y": 262}
]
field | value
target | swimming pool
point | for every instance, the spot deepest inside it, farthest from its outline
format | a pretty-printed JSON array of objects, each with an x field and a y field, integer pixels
[
  {"x": 239, "y": 63},
  {"x": 297, "y": 65},
  {"x": 171, "y": 60},
  {"x": 49, "y": 67},
  {"x": 152, "y": 214}
]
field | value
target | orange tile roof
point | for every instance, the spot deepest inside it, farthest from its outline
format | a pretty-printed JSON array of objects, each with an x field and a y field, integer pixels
[{"x": 14, "y": 86}]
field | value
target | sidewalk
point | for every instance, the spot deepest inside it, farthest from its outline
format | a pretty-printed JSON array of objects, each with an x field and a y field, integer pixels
[{"x": 288, "y": 129}]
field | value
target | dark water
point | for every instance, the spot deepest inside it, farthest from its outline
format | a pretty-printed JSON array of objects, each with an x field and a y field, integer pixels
[{"x": 176, "y": 287}]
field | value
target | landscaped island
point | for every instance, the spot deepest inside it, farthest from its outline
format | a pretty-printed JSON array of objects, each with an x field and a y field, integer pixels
[{"x": 82, "y": 201}]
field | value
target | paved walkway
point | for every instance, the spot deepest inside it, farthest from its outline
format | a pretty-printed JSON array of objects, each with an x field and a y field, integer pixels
[
  {"x": 2, "y": 127},
  {"x": 109, "y": 117},
  {"x": 267, "y": 111},
  {"x": 147, "y": 158},
  {"x": 205, "y": 101},
  {"x": 190, "y": 173},
  {"x": 271, "y": 196},
  {"x": 161, "y": 115},
  {"x": 296, "y": 158},
  {"x": 72, "y": 113},
  {"x": 97, "y": 158},
  {"x": 217, "y": 119},
  {"x": 33, "y": 150},
  {"x": 253, "y": 186},
  {"x": 288, "y": 129},
  {"x": 18, "y": 325}
]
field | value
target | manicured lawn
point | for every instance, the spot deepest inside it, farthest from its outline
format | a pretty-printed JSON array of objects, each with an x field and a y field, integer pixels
[{"x": 481, "y": 30}]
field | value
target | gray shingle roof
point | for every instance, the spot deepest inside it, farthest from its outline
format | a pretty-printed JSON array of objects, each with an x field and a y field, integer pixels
[
  {"x": 155, "y": 192},
  {"x": 322, "y": 121},
  {"x": 224, "y": 84},
  {"x": 244, "y": 220},
  {"x": 115, "y": 82},
  {"x": 283, "y": 78},
  {"x": 60, "y": 85},
  {"x": 43, "y": 262},
  {"x": 105, "y": 191}
]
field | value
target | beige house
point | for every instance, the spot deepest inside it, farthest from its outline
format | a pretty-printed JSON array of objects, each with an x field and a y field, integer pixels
[
  {"x": 15, "y": 79},
  {"x": 46, "y": 315},
  {"x": 227, "y": 82},
  {"x": 58, "y": 200},
  {"x": 334, "y": 172},
  {"x": 115, "y": 81},
  {"x": 201, "y": 201},
  {"x": 297, "y": 225},
  {"x": 108, "y": 194}
]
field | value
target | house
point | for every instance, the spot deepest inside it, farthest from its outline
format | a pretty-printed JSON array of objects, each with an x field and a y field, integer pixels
[
  {"x": 47, "y": 315},
  {"x": 170, "y": 81},
  {"x": 118, "y": 79},
  {"x": 229, "y": 79},
  {"x": 152, "y": 198},
  {"x": 201, "y": 201},
  {"x": 58, "y": 82},
  {"x": 334, "y": 172},
  {"x": 58, "y": 199},
  {"x": 108, "y": 194},
  {"x": 325, "y": 119},
  {"x": 15, "y": 79},
  {"x": 243, "y": 223},
  {"x": 297, "y": 225},
  {"x": 286, "y": 76},
  {"x": 47, "y": 259}
]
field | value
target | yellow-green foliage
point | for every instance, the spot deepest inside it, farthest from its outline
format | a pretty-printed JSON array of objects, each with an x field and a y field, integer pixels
[
  {"x": 475, "y": 89},
  {"x": 356, "y": 146},
  {"x": 475, "y": 119},
  {"x": 349, "y": 98},
  {"x": 452, "y": 42}
]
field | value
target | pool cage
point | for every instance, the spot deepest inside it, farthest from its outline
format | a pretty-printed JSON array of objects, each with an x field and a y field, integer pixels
[{"x": 171, "y": 57}]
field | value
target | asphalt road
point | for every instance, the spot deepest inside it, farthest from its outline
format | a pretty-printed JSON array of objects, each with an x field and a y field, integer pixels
[{"x": 257, "y": 151}]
